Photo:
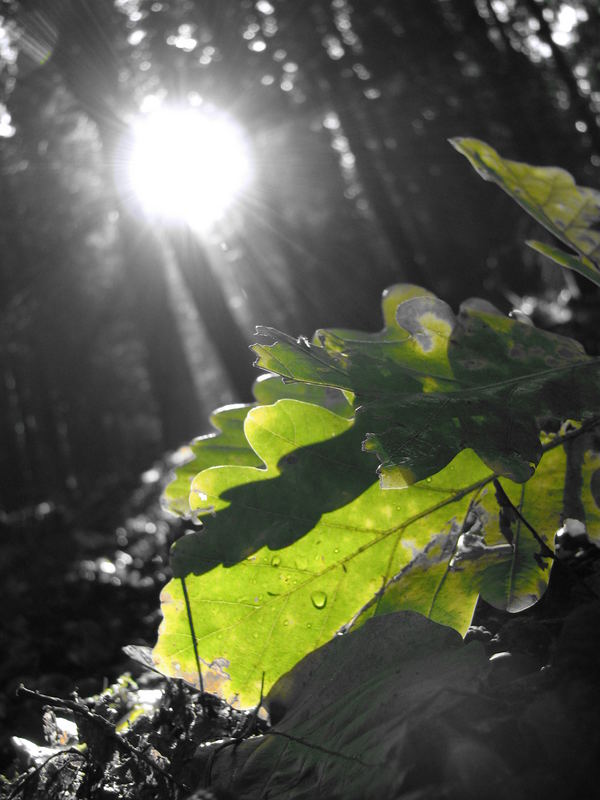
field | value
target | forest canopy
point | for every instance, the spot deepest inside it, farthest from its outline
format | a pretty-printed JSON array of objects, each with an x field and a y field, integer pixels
[
  {"x": 344, "y": 110},
  {"x": 366, "y": 564}
]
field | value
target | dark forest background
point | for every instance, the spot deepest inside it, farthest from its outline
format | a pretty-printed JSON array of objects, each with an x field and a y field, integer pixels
[{"x": 117, "y": 338}]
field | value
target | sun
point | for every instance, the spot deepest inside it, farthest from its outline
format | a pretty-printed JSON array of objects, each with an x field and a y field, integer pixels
[{"x": 188, "y": 164}]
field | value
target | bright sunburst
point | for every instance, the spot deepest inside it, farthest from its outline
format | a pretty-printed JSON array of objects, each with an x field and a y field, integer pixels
[{"x": 188, "y": 164}]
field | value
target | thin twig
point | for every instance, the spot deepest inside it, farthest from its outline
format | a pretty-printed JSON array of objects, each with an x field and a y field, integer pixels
[
  {"x": 246, "y": 731},
  {"x": 561, "y": 438},
  {"x": 188, "y": 609},
  {"x": 505, "y": 502}
]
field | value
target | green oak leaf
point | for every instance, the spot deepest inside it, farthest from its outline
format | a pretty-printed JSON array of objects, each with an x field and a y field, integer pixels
[
  {"x": 590, "y": 473},
  {"x": 551, "y": 196},
  {"x": 582, "y": 485},
  {"x": 431, "y": 383},
  {"x": 458, "y": 565},
  {"x": 347, "y": 718},
  {"x": 229, "y": 444},
  {"x": 294, "y": 550},
  {"x": 580, "y": 265}
]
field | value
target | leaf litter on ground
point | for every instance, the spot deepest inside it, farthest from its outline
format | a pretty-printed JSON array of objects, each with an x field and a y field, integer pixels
[{"x": 401, "y": 708}]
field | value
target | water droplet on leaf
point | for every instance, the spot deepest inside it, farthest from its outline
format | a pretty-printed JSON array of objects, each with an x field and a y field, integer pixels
[{"x": 319, "y": 599}]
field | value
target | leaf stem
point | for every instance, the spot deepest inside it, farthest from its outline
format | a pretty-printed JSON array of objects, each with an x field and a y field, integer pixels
[{"x": 188, "y": 609}]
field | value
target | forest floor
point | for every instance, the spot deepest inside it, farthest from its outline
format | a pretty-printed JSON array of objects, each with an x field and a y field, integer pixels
[{"x": 91, "y": 722}]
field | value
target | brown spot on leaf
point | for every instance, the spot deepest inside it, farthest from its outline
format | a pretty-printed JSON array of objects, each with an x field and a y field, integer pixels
[{"x": 215, "y": 677}]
